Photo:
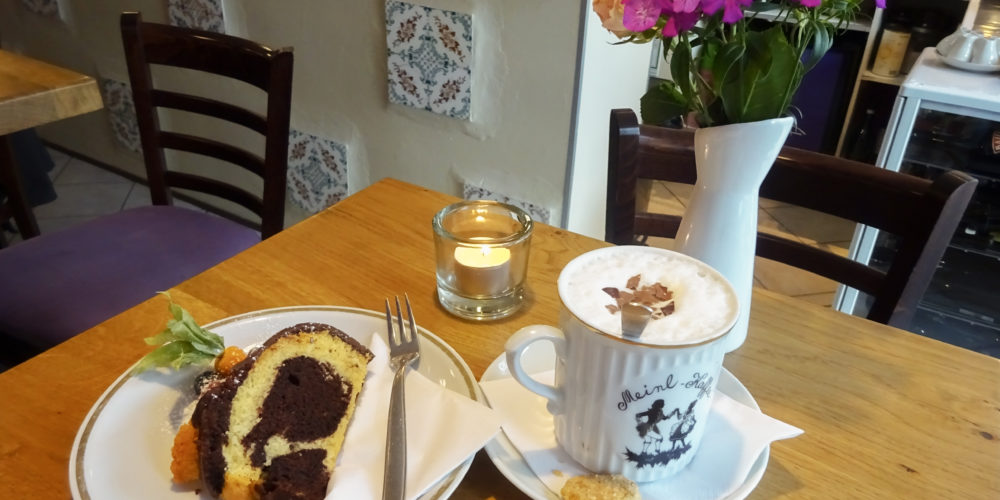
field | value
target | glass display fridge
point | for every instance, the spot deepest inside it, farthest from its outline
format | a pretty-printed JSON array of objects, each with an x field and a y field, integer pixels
[{"x": 947, "y": 119}]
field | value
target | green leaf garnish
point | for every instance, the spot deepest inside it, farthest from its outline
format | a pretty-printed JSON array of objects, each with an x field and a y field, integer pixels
[{"x": 181, "y": 343}]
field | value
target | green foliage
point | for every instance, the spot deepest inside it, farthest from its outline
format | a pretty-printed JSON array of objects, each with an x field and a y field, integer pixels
[
  {"x": 734, "y": 73},
  {"x": 181, "y": 343},
  {"x": 662, "y": 103},
  {"x": 756, "y": 77}
]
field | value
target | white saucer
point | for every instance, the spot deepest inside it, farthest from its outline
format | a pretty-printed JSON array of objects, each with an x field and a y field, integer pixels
[{"x": 539, "y": 357}]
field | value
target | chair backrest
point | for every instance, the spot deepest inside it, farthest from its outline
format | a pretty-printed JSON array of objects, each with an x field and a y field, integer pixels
[
  {"x": 922, "y": 214},
  {"x": 268, "y": 69}
]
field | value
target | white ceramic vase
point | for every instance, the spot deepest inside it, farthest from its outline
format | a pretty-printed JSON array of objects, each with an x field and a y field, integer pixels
[{"x": 719, "y": 226}]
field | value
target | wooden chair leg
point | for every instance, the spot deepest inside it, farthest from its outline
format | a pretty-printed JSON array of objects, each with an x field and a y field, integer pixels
[{"x": 17, "y": 201}]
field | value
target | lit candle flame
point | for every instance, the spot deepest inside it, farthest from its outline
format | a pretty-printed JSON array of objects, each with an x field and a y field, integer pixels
[{"x": 482, "y": 269}]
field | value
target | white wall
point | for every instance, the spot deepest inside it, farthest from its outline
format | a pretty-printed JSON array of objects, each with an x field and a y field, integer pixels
[
  {"x": 517, "y": 141},
  {"x": 612, "y": 76}
]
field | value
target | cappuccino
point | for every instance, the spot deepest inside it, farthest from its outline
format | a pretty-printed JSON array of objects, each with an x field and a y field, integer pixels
[{"x": 692, "y": 302}]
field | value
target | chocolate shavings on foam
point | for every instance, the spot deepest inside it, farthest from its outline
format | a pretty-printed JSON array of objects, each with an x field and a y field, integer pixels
[{"x": 656, "y": 296}]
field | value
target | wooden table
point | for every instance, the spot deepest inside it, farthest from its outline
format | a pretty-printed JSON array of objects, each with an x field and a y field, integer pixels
[
  {"x": 886, "y": 413},
  {"x": 34, "y": 93}
]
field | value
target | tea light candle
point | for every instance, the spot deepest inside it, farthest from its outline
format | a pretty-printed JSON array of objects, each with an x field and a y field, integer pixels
[
  {"x": 482, "y": 270},
  {"x": 481, "y": 256}
]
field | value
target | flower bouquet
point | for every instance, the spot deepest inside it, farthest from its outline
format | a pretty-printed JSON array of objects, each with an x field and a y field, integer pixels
[
  {"x": 732, "y": 78},
  {"x": 726, "y": 68}
]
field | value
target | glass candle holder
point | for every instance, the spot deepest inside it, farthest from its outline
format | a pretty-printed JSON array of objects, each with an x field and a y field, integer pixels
[{"x": 482, "y": 258}]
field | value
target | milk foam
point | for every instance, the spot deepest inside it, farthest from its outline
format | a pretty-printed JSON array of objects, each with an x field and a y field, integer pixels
[{"x": 705, "y": 304}]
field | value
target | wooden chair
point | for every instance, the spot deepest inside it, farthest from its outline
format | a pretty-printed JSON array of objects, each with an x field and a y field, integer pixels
[
  {"x": 59, "y": 284},
  {"x": 922, "y": 214},
  {"x": 265, "y": 68}
]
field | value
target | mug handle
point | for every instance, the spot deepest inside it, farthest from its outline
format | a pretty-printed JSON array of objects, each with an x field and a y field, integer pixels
[{"x": 515, "y": 347}]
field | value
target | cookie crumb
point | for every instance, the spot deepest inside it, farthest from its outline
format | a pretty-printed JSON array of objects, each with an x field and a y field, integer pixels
[{"x": 600, "y": 487}]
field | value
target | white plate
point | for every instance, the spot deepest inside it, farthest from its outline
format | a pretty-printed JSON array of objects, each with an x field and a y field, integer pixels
[
  {"x": 122, "y": 450},
  {"x": 538, "y": 358}
]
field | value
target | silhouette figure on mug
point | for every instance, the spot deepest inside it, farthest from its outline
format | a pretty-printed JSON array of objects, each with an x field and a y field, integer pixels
[
  {"x": 648, "y": 426},
  {"x": 680, "y": 430},
  {"x": 649, "y": 429}
]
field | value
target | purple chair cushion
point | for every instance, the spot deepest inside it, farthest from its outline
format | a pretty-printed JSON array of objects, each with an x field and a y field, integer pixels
[{"x": 60, "y": 284}]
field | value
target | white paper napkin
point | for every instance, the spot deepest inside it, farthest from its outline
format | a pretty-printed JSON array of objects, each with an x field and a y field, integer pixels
[
  {"x": 443, "y": 429},
  {"x": 735, "y": 437}
]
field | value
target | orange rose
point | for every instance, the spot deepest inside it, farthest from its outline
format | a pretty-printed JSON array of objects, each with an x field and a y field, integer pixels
[{"x": 611, "y": 13}]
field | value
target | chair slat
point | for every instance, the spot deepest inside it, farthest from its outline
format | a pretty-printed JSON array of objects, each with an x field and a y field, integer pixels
[
  {"x": 206, "y": 51},
  {"x": 667, "y": 154},
  {"x": 793, "y": 253},
  {"x": 215, "y": 149},
  {"x": 217, "y": 188},
  {"x": 209, "y": 107},
  {"x": 851, "y": 190},
  {"x": 661, "y": 225},
  {"x": 851, "y": 273}
]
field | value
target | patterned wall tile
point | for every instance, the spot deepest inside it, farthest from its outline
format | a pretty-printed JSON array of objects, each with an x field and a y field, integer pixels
[
  {"x": 199, "y": 14},
  {"x": 118, "y": 101},
  {"x": 317, "y": 171},
  {"x": 473, "y": 192},
  {"x": 49, "y": 8},
  {"x": 430, "y": 58}
]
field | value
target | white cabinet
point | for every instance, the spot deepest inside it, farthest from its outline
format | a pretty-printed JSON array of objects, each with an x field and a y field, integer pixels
[
  {"x": 865, "y": 77},
  {"x": 948, "y": 119}
]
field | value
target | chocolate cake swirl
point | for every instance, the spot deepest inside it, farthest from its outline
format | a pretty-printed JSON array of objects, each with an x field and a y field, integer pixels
[{"x": 274, "y": 427}]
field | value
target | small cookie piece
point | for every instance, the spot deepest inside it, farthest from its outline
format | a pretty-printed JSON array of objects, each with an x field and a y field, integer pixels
[{"x": 600, "y": 487}]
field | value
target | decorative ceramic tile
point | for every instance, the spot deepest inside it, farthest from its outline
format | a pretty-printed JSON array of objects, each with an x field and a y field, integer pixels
[
  {"x": 49, "y": 8},
  {"x": 430, "y": 58},
  {"x": 472, "y": 192},
  {"x": 199, "y": 14},
  {"x": 317, "y": 171},
  {"x": 118, "y": 100}
]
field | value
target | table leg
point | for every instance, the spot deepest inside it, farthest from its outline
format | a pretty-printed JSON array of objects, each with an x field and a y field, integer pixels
[{"x": 17, "y": 202}]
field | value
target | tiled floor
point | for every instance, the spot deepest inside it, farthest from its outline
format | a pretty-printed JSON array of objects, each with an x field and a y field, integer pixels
[
  {"x": 85, "y": 192},
  {"x": 789, "y": 221}
]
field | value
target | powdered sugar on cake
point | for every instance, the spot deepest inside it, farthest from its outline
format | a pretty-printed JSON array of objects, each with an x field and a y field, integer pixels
[{"x": 703, "y": 304}]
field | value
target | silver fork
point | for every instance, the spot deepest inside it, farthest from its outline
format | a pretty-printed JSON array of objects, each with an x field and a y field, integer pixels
[{"x": 402, "y": 352}]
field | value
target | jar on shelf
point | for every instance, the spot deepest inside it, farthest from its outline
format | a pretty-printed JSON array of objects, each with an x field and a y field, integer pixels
[
  {"x": 891, "y": 50},
  {"x": 921, "y": 36}
]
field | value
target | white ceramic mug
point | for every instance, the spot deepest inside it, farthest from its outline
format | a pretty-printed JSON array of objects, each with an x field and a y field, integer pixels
[{"x": 622, "y": 406}]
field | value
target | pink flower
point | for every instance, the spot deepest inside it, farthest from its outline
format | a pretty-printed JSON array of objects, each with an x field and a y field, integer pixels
[
  {"x": 880, "y": 4},
  {"x": 680, "y": 22},
  {"x": 686, "y": 6},
  {"x": 733, "y": 8},
  {"x": 811, "y": 3},
  {"x": 640, "y": 15}
]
